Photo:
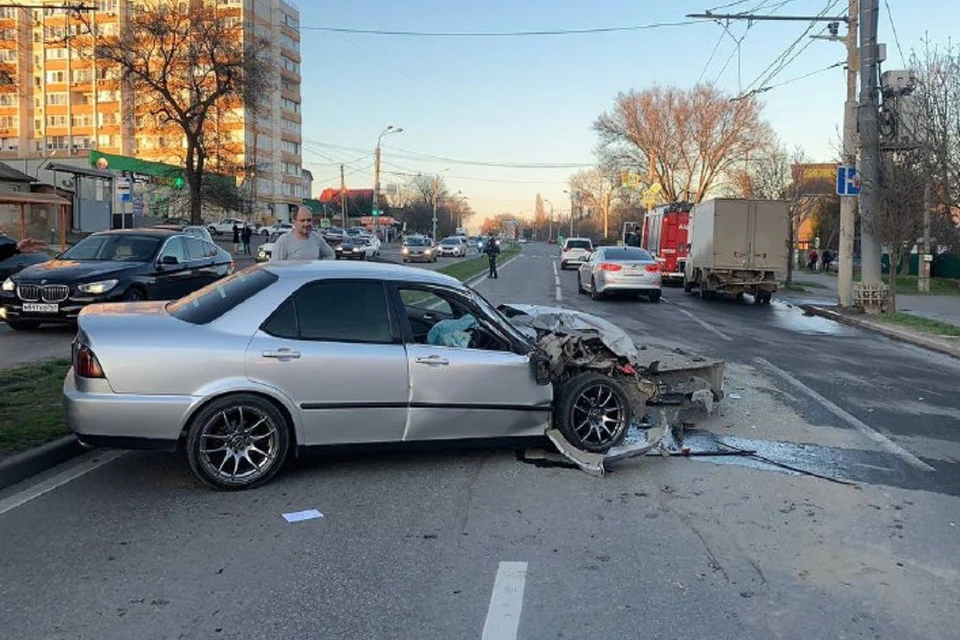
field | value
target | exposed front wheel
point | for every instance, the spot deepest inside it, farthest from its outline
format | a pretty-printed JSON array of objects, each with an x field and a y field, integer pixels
[
  {"x": 593, "y": 412},
  {"x": 134, "y": 294},
  {"x": 237, "y": 442},
  {"x": 594, "y": 294}
]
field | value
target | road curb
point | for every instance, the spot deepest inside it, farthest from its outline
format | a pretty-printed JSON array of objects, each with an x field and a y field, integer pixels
[
  {"x": 481, "y": 276},
  {"x": 915, "y": 338},
  {"x": 33, "y": 461}
]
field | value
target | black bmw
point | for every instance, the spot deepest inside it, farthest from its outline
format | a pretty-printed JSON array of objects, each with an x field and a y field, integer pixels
[{"x": 111, "y": 266}]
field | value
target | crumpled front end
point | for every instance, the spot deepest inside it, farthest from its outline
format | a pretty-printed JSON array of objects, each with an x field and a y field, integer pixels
[{"x": 662, "y": 386}]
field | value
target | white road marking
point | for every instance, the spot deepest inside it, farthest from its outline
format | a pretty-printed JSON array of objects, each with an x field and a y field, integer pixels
[
  {"x": 555, "y": 272},
  {"x": 506, "y": 602},
  {"x": 89, "y": 462},
  {"x": 705, "y": 325},
  {"x": 559, "y": 297},
  {"x": 850, "y": 419}
]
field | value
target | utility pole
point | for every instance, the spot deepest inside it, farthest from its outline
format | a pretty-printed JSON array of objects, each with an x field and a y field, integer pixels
[
  {"x": 436, "y": 187},
  {"x": 870, "y": 248},
  {"x": 376, "y": 190},
  {"x": 848, "y": 204},
  {"x": 343, "y": 198}
]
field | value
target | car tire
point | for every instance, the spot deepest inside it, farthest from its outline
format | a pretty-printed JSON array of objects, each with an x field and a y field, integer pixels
[
  {"x": 586, "y": 402},
  {"x": 580, "y": 288},
  {"x": 23, "y": 325},
  {"x": 237, "y": 420},
  {"x": 655, "y": 296},
  {"x": 594, "y": 294},
  {"x": 134, "y": 294}
]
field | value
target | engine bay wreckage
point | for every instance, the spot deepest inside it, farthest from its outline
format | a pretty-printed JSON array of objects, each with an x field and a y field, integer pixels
[{"x": 664, "y": 389}]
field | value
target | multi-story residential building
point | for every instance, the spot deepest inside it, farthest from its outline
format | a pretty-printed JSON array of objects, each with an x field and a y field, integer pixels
[{"x": 66, "y": 103}]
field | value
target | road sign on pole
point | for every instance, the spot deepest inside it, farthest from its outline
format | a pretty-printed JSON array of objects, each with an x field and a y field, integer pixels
[{"x": 848, "y": 182}]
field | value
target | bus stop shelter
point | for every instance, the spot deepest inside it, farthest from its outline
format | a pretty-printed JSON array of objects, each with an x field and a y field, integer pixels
[{"x": 26, "y": 200}]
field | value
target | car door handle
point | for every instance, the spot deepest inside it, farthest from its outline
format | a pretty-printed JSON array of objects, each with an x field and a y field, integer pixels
[
  {"x": 434, "y": 360},
  {"x": 429, "y": 316},
  {"x": 281, "y": 354}
]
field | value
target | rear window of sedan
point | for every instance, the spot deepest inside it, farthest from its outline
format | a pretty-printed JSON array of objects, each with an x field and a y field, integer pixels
[
  {"x": 627, "y": 253},
  {"x": 579, "y": 244},
  {"x": 209, "y": 303}
]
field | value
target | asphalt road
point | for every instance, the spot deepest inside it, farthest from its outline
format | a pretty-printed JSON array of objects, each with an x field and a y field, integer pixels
[{"x": 421, "y": 546}]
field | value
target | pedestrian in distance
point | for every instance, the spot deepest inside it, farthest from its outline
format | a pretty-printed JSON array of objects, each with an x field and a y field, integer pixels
[
  {"x": 27, "y": 245},
  {"x": 827, "y": 259},
  {"x": 236, "y": 238},
  {"x": 492, "y": 249},
  {"x": 812, "y": 260},
  {"x": 302, "y": 242},
  {"x": 245, "y": 237}
]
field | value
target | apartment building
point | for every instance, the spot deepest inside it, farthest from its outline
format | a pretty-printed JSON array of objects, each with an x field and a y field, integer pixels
[{"x": 66, "y": 104}]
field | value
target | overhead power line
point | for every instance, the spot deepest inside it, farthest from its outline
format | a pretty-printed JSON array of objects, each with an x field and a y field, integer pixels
[
  {"x": 896, "y": 38},
  {"x": 499, "y": 34}
]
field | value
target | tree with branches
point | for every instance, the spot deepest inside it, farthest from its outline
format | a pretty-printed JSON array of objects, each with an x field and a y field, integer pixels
[
  {"x": 599, "y": 192},
  {"x": 189, "y": 73},
  {"x": 689, "y": 139}
]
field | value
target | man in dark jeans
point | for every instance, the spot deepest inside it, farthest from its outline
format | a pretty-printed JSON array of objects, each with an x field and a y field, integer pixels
[
  {"x": 492, "y": 249},
  {"x": 26, "y": 245}
]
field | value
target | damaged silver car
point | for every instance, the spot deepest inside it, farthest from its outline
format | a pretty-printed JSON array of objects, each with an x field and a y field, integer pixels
[{"x": 284, "y": 359}]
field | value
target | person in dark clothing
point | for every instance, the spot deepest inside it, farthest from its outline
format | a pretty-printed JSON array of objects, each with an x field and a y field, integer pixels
[
  {"x": 827, "y": 259},
  {"x": 245, "y": 237},
  {"x": 27, "y": 245},
  {"x": 812, "y": 260},
  {"x": 492, "y": 249}
]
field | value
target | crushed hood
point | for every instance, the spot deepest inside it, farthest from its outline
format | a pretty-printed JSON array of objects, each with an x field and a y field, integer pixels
[{"x": 531, "y": 318}]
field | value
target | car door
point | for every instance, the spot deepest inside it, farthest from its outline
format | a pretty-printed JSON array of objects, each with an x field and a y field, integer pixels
[
  {"x": 586, "y": 269},
  {"x": 171, "y": 281},
  {"x": 465, "y": 392},
  {"x": 334, "y": 348}
]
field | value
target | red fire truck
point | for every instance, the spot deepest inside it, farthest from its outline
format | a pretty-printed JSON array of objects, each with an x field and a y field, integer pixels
[{"x": 665, "y": 236}]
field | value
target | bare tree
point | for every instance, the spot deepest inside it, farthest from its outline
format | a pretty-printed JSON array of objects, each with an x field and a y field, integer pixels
[
  {"x": 187, "y": 70},
  {"x": 898, "y": 221},
  {"x": 777, "y": 174},
  {"x": 599, "y": 192},
  {"x": 690, "y": 139}
]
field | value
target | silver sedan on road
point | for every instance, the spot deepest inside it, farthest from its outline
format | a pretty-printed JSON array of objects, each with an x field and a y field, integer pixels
[
  {"x": 620, "y": 270},
  {"x": 287, "y": 357}
]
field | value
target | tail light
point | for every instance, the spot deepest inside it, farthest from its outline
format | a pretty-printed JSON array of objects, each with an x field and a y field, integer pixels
[
  {"x": 653, "y": 268},
  {"x": 85, "y": 363},
  {"x": 233, "y": 266},
  {"x": 565, "y": 249},
  {"x": 611, "y": 266}
]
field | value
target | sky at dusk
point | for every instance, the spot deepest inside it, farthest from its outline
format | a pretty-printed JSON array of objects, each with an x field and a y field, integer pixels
[{"x": 471, "y": 105}]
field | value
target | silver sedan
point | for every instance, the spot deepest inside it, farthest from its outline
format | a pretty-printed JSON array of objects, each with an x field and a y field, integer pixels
[
  {"x": 620, "y": 269},
  {"x": 288, "y": 357}
]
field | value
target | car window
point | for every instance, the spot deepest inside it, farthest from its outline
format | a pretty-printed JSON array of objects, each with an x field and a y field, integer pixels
[
  {"x": 339, "y": 311},
  {"x": 627, "y": 253},
  {"x": 174, "y": 247},
  {"x": 196, "y": 248},
  {"x": 212, "y": 301},
  {"x": 579, "y": 244},
  {"x": 425, "y": 301},
  {"x": 212, "y": 250}
]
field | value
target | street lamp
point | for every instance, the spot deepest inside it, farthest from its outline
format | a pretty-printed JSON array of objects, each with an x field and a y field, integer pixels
[
  {"x": 550, "y": 221},
  {"x": 436, "y": 190},
  {"x": 376, "y": 175},
  {"x": 574, "y": 196}
]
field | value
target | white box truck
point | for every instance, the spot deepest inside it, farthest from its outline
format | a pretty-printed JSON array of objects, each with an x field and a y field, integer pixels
[{"x": 736, "y": 247}]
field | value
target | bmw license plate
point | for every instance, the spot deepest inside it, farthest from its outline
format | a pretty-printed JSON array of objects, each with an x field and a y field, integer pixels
[{"x": 40, "y": 307}]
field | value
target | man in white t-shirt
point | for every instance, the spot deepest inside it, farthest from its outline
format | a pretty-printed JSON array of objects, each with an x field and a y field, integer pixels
[{"x": 302, "y": 242}]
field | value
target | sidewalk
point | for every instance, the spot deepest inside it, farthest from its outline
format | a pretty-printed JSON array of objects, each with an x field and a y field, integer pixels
[
  {"x": 823, "y": 302},
  {"x": 941, "y": 308}
]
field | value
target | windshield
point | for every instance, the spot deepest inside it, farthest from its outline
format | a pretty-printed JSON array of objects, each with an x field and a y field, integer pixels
[
  {"x": 578, "y": 244},
  {"x": 416, "y": 242},
  {"x": 504, "y": 321},
  {"x": 450, "y": 242},
  {"x": 114, "y": 247},
  {"x": 626, "y": 253}
]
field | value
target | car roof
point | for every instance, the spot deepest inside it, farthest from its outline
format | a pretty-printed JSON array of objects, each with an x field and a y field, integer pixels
[
  {"x": 307, "y": 269},
  {"x": 141, "y": 231}
]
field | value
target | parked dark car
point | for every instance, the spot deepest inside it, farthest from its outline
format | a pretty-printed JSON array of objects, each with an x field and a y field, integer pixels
[
  {"x": 112, "y": 266},
  {"x": 20, "y": 261}
]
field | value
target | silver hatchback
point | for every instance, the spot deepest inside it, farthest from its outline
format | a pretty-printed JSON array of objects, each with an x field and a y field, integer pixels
[{"x": 621, "y": 269}]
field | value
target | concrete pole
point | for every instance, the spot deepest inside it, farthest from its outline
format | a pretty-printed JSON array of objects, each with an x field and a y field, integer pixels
[
  {"x": 848, "y": 204},
  {"x": 870, "y": 247},
  {"x": 376, "y": 188},
  {"x": 923, "y": 269}
]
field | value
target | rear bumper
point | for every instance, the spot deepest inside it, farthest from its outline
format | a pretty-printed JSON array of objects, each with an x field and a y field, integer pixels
[{"x": 96, "y": 415}]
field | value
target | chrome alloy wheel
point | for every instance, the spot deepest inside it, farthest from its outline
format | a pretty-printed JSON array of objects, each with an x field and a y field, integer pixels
[
  {"x": 239, "y": 445},
  {"x": 599, "y": 417}
]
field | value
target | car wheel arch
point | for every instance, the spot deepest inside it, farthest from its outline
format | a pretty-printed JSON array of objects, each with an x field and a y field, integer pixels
[{"x": 280, "y": 402}]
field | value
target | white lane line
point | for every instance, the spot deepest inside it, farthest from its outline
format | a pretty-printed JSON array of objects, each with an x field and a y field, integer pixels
[
  {"x": 506, "y": 601},
  {"x": 559, "y": 297},
  {"x": 90, "y": 462},
  {"x": 705, "y": 325},
  {"x": 850, "y": 419},
  {"x": 555, "y": 272}
]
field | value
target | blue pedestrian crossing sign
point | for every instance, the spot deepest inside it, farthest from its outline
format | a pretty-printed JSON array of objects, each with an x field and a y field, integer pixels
[{"x": 848, "y": 182}]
